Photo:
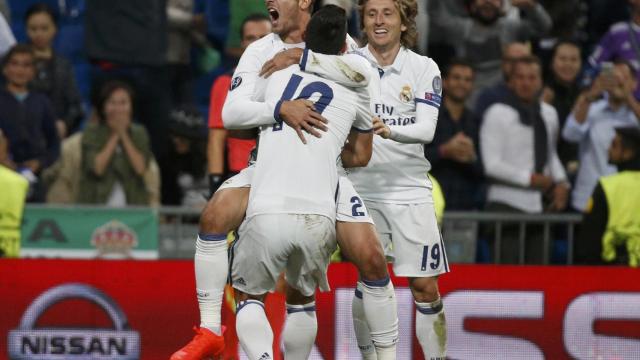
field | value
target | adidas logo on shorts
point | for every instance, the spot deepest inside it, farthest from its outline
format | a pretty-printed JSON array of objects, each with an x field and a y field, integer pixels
[
  {"x": 265, "y": 356},
  {"x": 240, "y": 281}
]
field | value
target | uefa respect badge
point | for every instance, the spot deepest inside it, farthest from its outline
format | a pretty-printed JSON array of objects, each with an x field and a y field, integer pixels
[{"x": 29, "y": 343}]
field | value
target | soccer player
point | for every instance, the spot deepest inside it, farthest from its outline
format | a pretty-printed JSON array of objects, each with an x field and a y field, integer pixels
[
  {"x": 290, "y": 221},
  {"x": 394, "y": 185},
  {"x": 226, "y": 210}
]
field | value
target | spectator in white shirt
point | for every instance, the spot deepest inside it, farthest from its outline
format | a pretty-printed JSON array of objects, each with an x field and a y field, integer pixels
[
  {"x": 592, "y": 123},
  {"x": 518, "y": 140}
]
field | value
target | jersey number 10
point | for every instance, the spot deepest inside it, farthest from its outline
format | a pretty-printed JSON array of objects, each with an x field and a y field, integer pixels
[{"x": 326, "y": 95}]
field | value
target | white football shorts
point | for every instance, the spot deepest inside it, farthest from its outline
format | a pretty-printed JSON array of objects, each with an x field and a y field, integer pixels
[
  {"x": 350, "y": 207},
  {"x": 410, "y": 238},
  {"x": 239, "y": 180},
  {"x": 267, "y": 245}
]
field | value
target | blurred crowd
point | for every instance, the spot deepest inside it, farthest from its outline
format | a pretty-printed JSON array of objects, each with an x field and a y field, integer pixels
[{"x": 119, "y": 102}]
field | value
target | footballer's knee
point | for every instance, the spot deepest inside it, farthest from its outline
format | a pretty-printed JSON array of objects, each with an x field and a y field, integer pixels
[
  {"x": 424, "y": 290},
  {"x": 373, "y": 264},
  {"x": 225, "y": 211},
  {"x": 242, "y": 296},
  {"x": 295, "y": 297}
]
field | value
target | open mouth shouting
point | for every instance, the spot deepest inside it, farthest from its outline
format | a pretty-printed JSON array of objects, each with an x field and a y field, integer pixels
[{"x": 274, "y": 15}]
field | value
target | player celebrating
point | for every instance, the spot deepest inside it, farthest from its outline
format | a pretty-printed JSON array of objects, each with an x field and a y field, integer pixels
[
  {"x": 226, "y": 209},
  {"x": 394, "y": 185},
  {"x": 290, "y": 220}
]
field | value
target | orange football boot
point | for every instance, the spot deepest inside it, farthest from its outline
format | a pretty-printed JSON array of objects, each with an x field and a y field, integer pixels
[{"x": 205, "y": 345}]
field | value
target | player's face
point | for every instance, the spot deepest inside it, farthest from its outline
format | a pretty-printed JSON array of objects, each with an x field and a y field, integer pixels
[
  {"x": 527, "y": 81},
  {"x": 459, "y": 83},
  {"x": 284, "y": 15},
  {"x": 254, "y": 30},
  {"x": 382, "y": 23},
  {"x": 566, "y": 63},
  {"x": 118, "y": 106},
  {"x": 41, "y": 29},
  {"x": 19, "y": 70}
]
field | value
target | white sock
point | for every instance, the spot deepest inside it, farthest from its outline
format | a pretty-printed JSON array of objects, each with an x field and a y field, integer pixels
[
  {"x": 431, "y": 329},
  {"x": 254, "y": 331},
  {"x": 212, "y": 268},
  {"x": 360, "y": 326},
  {"x": 300, "y": 331},
  {"x": 381, "y": 311}
]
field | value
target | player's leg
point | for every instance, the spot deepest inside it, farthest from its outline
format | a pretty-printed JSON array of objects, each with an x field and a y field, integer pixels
[
  {"x": 301, "y": 325},
  {"x": 224, "y": 212},
  {"x": 419, "y": 255},
  {"x": 252, "y": 326},
  {"x": 306, "y": 270},
  {"x": 430, "y": 322},
  {"x": 374, "y": 307},
  {"x": 258, "y": 256}
]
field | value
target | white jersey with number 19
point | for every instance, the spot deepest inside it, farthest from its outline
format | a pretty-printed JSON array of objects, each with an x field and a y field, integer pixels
[{"x": 295, "y": 178}]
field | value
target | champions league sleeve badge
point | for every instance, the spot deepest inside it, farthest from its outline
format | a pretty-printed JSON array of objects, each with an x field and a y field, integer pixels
[
  {"x": 437, "y": 85},
  {"x": 235, "y": 83}
]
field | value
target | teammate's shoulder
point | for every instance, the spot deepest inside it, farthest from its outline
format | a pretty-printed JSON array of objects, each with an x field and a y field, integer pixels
[
  {"x": 266, "y": 42},
  {"x": 421, "y": 63}
]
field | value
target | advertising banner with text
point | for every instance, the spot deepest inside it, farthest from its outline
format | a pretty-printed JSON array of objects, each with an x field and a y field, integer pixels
[
  {"x": 89, "y": 233},
  {"x": 81, "y": 309}
]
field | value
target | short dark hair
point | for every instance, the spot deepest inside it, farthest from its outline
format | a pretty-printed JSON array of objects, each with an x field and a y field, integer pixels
[
  {"x": 630, "y": 137},
  {"x": 15, "y": 50},
  {"x": 106, "y": 90},
  {"x": 38, "y": 8},
  {"x": 255, "y": 17},
  {"x": 462, "y": 62},
  {"x": 629, "y": 64},
  {"x": 327, "y": 30},
  {"x": 527, "y": 60}
]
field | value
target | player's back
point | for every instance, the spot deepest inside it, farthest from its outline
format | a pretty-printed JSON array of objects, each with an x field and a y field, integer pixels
[{"x": 296, "y": 178}]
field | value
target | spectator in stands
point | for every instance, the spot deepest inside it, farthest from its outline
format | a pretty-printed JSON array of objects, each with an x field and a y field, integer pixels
[
  {"x": 622, "y": 41},
  {"x": 482, "y": 37},
  {"x": 54, "y": 74},
  {"x": 115, "y": 152},
  {"x": 453, "y": 154},
  {"x": 561, "y": 91},
  {"x": 591, "y": 125},
  {"x": 182, "y": 23},
  {"x": 518, "y": 146},
  {"x": 237, "y": 150},
  {"x": 239, "y": 11},
  {"x": 27, "y": 119},
  {"x": 183, "y": 177},
  {"x": 610, "y": 231},
  {"x": 500, "y": 90},
  {"x": 123, "y": 40},
  {"x": 7, "y": 40}
]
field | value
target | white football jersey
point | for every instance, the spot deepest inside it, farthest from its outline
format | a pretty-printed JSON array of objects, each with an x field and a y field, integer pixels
[
  {"x": 397, "y": 172},
  {"x": 295, "y": 178},
  {"x": 241, "y": 107}
]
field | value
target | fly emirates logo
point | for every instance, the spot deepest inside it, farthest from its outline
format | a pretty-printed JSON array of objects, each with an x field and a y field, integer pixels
[{"x": 391, "y": 117}]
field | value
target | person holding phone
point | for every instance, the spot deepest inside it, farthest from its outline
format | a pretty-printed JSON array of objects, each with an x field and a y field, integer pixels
[{"x": 592, "y": 121}]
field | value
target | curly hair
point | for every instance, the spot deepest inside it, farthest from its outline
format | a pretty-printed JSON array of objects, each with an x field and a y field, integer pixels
[{"x": 408, "y": 10}]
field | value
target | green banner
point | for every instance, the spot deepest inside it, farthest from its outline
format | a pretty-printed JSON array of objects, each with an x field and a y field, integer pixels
[{"x": 89, "y": 233}]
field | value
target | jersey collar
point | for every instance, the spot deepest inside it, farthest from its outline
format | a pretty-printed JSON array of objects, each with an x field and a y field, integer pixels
[{"x": 397, "y": 63}]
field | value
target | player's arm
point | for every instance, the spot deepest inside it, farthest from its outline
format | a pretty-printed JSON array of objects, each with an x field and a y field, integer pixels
[
  {"x": 241, "y": 110},
  {"x": 427, "y": 101},
  {"x": 359, "y": 146}
]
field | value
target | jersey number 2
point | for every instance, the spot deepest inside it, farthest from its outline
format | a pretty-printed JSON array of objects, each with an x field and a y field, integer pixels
[{"x": 326, "y": 95}]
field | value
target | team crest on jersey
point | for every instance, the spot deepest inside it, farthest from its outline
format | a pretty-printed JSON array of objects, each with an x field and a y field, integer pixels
[
  {"x": 437, "y": 85},
  {"x": 235, "y": 83},
  {"x": 405, "y": 94}
]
